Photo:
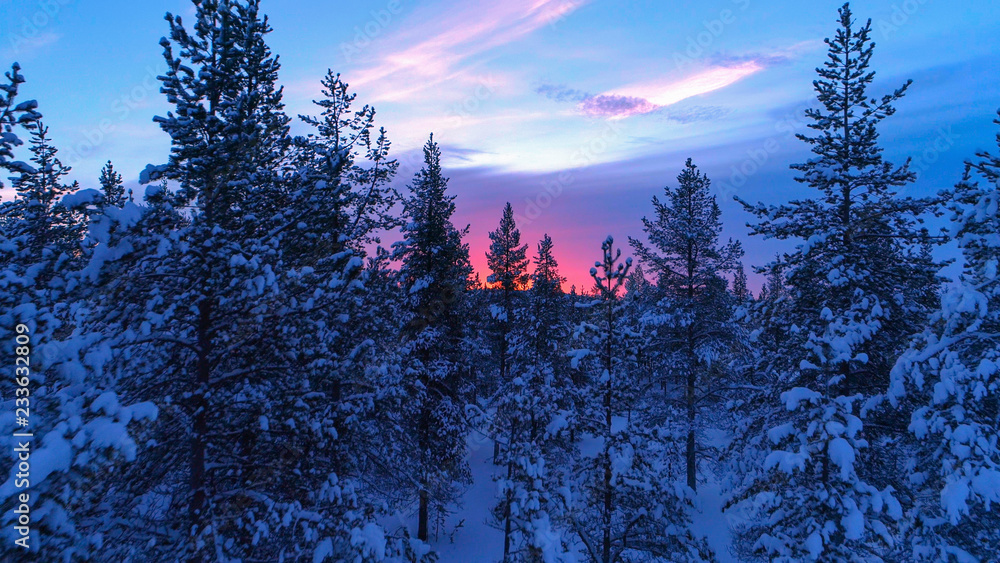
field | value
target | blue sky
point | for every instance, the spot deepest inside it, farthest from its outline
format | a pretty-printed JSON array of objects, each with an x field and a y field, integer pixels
[{"x": 575, "y": 111}]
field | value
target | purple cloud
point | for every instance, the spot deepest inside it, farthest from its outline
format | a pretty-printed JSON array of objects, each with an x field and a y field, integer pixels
[
  {"x": 562, "y": 93},
  {"x": 613, "y": 105}
]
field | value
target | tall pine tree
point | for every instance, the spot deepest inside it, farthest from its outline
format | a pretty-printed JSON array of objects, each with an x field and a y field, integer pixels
[
  {"x": 689, "y": 261},
  {"x": 434, "y": 273},
  {"x": 508, "y": 262},
  {"x": 239, "y": 331},
  {"x": 619, "y": 500},
  {"x": 855, "y": 291},
  {"x": 78, "y": 431},
  {"x": 951, "y": 376}
]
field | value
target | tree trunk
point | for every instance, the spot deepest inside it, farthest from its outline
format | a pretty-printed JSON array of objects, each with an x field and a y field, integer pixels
[
  {"x": 608, "y": 402},
  {"x": 691, "y": 454},
  {"x": 196, "y": 507},
  {"x": 691, "y": 462},
  {"x": 608, "y": 500},
  {"x": 422, "y": 516},
  {"x": 504, "y": 330},
  {"x": 506, "y": 517},
  {"x": 424, "y": 444},
  {"x": 509, "y": 499}
]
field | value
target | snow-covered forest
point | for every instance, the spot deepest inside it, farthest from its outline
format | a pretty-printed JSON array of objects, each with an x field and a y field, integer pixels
[{"x": 235, "y": 364}]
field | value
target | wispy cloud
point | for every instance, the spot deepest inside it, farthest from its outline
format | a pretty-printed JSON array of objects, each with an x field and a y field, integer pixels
[
  {"x": 560, "y": 93},
  {"x": 616, "y": 105},
  {"x": 442, "y": 47},
  {"x": 23, "y": 46},
  {"x": 696, "y": 113},
  {"x": 771, "y": 58},
  {"x": 648, "y": 97}
]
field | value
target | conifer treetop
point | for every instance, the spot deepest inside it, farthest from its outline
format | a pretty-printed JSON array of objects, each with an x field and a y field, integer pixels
[{"x": 507, "y": 257}]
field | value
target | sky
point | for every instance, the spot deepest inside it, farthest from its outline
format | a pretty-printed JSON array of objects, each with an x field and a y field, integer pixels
[{"x": 577, "y": 112}]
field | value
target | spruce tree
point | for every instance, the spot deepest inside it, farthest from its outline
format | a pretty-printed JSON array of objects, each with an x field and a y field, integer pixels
[
  {"x": 239, "y": 332},
  {"x": 508, "y": 262},
  {"x": 507, "y": 257},
  {"x": 685, "y": 254},
  {"x": 619, "y": 501},
  {"x": 950, "y": 376},
  {"x": 434, "y": 273},
  {"x": 854, "y": 294},
  {"x": 111, "y": 185},
  {"x": 740, "y": 289},
  {"x": 547, "y": 302}
]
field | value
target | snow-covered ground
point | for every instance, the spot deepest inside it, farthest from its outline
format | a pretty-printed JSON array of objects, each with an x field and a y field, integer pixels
[
  {"x": 709, "y": 522},
  {"x": 477, "y": 541}
]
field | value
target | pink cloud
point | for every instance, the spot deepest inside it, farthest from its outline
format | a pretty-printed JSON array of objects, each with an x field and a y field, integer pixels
[
  {"x": 613, "y": 105},
  {"x": 439, "y": 48},
  {"x": 642, "y": 98}
]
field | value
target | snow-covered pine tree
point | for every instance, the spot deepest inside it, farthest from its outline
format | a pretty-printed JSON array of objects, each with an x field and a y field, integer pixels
[
  {"x": 112, "y": 186},
  {"x": 950, "y": 375},
  {"x": 547, "y": 304},
  {"x": 434, "y": 273},
  {"x": 530, "y": 507},
  {"x": 381, "y": 436},
  {"x": 854, "y": 284},
  {"x": 508, "y": 262},
  {"x": 768, "y": 308},
  {"x": 338, "y": 196},
  {"x": 534, "y": 410},
  {"x": 80, "y": 430},
  {"x": 234, "y": 329},
  {"x": 548, "y": 327},
  {"x": 341, "y": 196},
  {"x": 205, "y": 266},
  {"x": 620, "y": 500},
  {"x": 694, "y": 316},
  {"x": 740, "y": 289},
  {"x": 481, "y": 345},
  {"x": 14, "y": 116},
  {"x": 345, "y": 164},
  {"x": 52, "y": 231},
  {"x": 641, "y": 297}
]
